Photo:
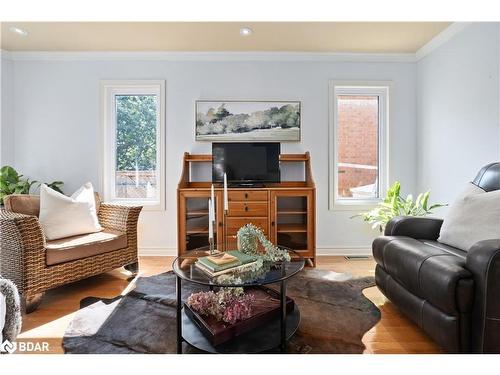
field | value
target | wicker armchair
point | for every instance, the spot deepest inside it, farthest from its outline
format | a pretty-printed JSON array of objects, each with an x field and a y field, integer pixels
[{"x": 23, "y": 252}]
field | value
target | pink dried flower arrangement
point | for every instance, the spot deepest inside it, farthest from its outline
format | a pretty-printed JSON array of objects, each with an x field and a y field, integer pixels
[
  {"x": 205, "y": 303},
  {"x": 239, "y": 308},
  {"x": 227, "y": 305}
]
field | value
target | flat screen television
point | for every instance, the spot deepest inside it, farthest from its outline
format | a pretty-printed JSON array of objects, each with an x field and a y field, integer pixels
[{"x": 246, "y": 164}]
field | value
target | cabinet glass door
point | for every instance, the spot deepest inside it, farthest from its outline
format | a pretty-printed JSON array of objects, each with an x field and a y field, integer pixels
[
  {"x": 194, "y": 209},
  {"x": 291, "y": 217}
]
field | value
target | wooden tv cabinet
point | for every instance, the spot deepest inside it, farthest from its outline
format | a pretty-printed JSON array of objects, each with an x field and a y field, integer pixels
[{"x": 285, "y": 211}]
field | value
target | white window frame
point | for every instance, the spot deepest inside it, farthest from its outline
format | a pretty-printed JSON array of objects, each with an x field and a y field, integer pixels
[
  {"x": 383, "y": 90},
  {"x": 109, "y": 90}
]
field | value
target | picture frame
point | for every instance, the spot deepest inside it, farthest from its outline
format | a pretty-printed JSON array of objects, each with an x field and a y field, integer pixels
[{"x": 248, "y": 120}]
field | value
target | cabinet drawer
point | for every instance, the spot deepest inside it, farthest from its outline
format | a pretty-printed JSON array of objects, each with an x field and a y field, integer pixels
[
  {"x": 247, "y": 209},
  {"x": 247, "y": 195},
  {"x": 233, "y": 224}
]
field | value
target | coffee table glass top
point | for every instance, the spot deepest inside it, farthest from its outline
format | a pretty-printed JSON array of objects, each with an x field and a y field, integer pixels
[{"x": 184, "y": 267}]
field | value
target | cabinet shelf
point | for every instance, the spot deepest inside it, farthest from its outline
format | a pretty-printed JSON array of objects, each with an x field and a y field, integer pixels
[
  {"x": 197, "y": 213},
  {"x": 291, "y": 212},
  {"x": 197, "y": 230},
  {"x": 292, "y": 228}
]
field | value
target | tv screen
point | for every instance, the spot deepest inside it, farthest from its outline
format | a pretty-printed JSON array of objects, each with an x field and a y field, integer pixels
[{"x": 246, "y": 163}]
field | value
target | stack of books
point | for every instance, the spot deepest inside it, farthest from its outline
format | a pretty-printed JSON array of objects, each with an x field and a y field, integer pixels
[{"x": 229, "y": 261}]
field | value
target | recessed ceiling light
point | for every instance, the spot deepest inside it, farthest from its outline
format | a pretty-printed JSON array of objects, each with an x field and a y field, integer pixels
[
  {"x": 245, "y": 31},
  {"x": 18, "y": 31}
]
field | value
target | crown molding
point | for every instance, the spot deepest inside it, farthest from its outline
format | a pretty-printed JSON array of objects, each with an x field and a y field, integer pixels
[
  {"x": 440, "y": 39},
  {"x": 271, "y": 56},
  {"x": 210, "y": 56}
]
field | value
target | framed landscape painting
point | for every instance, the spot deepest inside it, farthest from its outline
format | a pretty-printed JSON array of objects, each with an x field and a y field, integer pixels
[{"x": 247, "y": 121}]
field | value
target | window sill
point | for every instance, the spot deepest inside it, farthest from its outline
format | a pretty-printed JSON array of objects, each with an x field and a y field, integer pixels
[
  {"x": 147, "y": 205},
  {"x": 358, "y": 206}
]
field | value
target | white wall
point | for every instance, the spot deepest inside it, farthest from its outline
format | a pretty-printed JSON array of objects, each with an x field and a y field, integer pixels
[
  {"x": 458, "y": 110},
  {"x": 6, "y": 111},
  {"x": 57, "y": 124}
]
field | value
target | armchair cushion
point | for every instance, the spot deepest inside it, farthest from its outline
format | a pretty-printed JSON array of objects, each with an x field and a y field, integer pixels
[
  {"x": 28, "y": 204},
  {"x": 23, "y": 204},
  {"x": 83, "y": 246}
]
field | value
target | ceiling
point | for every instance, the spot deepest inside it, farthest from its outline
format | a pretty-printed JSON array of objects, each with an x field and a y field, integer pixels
[{"x": 356, "y": 37}]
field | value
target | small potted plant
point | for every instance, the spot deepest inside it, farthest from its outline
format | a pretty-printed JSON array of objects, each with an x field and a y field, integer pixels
[
  {"x": 394, "y": 205},
  {"x": 12, "y": 182}
]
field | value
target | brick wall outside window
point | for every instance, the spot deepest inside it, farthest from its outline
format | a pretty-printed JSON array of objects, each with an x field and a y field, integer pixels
[{"x": 357, "y": 137}]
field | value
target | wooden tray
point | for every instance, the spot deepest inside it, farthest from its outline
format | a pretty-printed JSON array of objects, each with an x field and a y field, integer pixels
[{"x": 265, "y": 308}]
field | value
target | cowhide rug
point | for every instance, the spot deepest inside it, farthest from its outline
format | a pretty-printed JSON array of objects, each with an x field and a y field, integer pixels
[{"x": 334, "y": 316}]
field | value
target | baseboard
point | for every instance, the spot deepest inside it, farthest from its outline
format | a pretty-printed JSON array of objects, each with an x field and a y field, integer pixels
[
  {"x": 157, "y": 251},
  {"x": 323, "y": 250},
  {"x": 344, "y": 250}
]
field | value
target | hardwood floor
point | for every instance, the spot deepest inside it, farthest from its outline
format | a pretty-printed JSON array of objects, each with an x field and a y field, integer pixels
[{"x": 393, "y": 334}]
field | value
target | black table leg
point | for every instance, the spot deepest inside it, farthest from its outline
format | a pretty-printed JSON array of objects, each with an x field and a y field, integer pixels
[
  {"x": 283, "y": 316},
  {"x": 179, "y": 315}
]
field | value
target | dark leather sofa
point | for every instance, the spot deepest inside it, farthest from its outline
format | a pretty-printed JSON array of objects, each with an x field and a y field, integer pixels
[{"x": 453, "y": 295}]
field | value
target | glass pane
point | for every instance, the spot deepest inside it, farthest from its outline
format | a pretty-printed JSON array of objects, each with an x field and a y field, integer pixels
[
  {"x": 357, "y": 134},
  {"x": 197, "y": 223},
  {"x": 136, "y": 127}
]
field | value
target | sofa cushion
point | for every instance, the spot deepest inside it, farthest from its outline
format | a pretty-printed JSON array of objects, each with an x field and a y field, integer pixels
[
  {"x": 28, "y": 204},
  {"x": 430, "y": 272},
  {"x": 474, "y": 216},
  {"x": 83, "y": 246}
]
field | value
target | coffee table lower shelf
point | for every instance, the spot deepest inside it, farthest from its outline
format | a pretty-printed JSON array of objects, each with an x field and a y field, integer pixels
[{"x": 261, "y": 339}]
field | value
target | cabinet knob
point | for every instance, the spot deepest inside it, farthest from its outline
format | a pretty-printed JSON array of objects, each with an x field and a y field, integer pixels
[
  {"x": 220, "y": 223},
  {"x": 246, "y": 195},
  {"x": 272, "y": 223},
  {"x": 246, "y": 208}
]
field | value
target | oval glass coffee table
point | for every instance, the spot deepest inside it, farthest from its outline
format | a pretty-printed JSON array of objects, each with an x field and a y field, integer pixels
[{"x": 270, "y": 335}]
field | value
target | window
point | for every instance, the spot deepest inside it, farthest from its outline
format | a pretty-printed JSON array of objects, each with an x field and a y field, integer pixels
[
  {"x": 358, "y": 145},
  {"x": 134, "y": 128}
]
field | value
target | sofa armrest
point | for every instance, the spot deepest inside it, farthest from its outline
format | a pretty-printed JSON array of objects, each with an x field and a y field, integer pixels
[
  {"x": 119, "y": 217},
  {"x": 417, "y": 227},
  {"x": 483, "y": 261},
  {"x": 22, "y": 255}
]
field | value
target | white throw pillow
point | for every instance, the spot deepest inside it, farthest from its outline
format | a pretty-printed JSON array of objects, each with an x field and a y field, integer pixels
[
  {"x": 62, "y": 216},
  {"x": 474, "y": 216}
]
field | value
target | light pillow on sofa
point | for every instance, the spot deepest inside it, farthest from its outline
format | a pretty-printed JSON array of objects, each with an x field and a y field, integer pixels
[
  {"x": 62, "y": 216},
  {"x": 474, "y": 216}
]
